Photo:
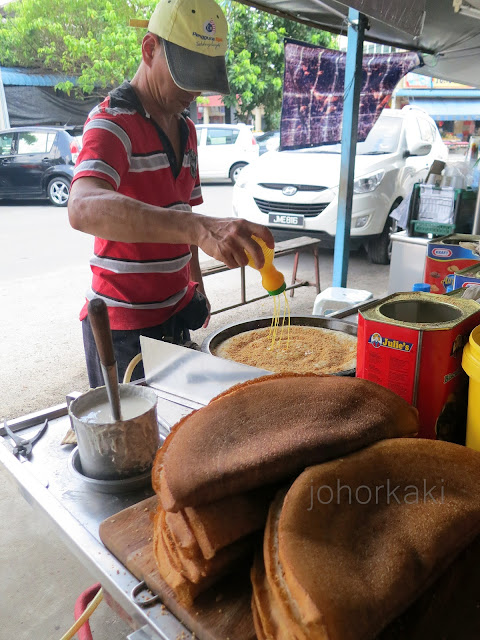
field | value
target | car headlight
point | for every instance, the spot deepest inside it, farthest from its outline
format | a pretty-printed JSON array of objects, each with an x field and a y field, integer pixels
[{"x": 368, "y": 183}]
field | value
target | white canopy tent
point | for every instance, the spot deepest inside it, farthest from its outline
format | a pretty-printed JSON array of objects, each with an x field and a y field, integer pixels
[{"x": 447, "y": 32}]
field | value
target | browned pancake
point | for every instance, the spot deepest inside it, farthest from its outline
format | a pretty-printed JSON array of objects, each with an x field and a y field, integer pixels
[
  {"x": 247, "y": 513},
  {"x": 359, "y": 539},
  {"x": 189, "y": 577},
  {"x": 271, "y": 428}
]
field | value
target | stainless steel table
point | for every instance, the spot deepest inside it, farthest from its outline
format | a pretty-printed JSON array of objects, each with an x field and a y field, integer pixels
[
  {"x": 183, "y": 380},
  {"x": 76, "y": 511}
]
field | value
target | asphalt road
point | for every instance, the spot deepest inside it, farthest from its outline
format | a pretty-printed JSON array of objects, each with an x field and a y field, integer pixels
[
  {"x": 43, "y": 276},
  {"x": 44, "y": 273}
]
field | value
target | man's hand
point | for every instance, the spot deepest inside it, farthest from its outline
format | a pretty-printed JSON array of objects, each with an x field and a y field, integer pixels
[
  {"x": 207, "y": 321},
  {"x": 227, "y": 239}
]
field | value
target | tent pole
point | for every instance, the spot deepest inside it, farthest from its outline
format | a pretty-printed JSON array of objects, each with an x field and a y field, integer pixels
[{"x": 353, "y": 83}]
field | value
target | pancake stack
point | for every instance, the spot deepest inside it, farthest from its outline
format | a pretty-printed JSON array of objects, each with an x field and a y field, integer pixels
[
  {"x": 218, "y": 470},
  {"x": 354, "y": 542},
  {"x": 196, "y": 546}
]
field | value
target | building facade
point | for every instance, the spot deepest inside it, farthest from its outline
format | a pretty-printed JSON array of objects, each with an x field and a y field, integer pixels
[{"x": 455, "y": 107}]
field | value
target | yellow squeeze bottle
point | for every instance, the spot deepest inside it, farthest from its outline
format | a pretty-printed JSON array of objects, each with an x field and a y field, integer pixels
[{"x": 272, "y": 280}]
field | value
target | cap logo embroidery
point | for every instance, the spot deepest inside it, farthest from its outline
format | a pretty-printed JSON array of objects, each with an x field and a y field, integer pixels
[
  {"x": 199, "y": 35},
  {"x": 209, "y": 27}
]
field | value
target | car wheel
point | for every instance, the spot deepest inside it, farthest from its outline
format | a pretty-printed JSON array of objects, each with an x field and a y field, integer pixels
[
  {"x": 379, "y": 249},
  {"x": 235, "y": 170},
  {"x": 58, "y": 191}
]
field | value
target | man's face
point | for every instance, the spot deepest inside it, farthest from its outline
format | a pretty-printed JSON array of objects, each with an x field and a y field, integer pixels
[{"x": 170, "y": 96}]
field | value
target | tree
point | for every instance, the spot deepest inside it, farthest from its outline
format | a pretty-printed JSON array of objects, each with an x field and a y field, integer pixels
[
  {"x": 89, "y": 40},
  {"x": 255, "y": 58},
  {"x": 93, "y": 42}
]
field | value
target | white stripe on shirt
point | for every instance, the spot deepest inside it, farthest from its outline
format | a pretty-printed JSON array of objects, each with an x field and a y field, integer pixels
[
  {"x": 108, "y": 125},
  {"x": 196, "y": 193},
  {"x": 99, "y": 167},
  {"x": 180, "y": 206},
  {"x": 169, "y": 302},
  {"x": 149, "y": 163},
  {"x": 153, "y": 266}
]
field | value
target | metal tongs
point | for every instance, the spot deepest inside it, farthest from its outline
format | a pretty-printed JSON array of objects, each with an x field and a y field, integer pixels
[{"x": 23, "y": 447}]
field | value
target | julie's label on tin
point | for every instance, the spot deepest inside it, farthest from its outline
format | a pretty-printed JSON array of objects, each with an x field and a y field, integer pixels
[{"x": 389, "y": 359}]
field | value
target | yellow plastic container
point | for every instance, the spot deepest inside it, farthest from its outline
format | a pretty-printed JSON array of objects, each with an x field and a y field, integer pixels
[
  {"x": 471, "y": 365},
  {"x": 272, "y": 280}
]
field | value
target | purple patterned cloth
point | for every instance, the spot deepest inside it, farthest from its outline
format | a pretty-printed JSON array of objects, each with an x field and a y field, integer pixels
[{"x": 313, "y": 88}]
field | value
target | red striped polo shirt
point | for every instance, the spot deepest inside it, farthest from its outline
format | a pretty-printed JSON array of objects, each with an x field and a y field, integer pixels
[{"x": 142, "y": 283}]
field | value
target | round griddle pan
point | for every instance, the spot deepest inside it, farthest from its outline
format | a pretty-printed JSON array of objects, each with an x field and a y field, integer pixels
[{"x": 216, "y": 338}]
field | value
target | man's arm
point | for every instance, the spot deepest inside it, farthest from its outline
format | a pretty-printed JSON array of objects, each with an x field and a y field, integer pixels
[{"x": 94, "y": 207}]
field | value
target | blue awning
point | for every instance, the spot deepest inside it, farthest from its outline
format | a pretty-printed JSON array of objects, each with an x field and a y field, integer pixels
[
  {"x": 26, "y": 77},
  {"x": 453, "y": 109}
]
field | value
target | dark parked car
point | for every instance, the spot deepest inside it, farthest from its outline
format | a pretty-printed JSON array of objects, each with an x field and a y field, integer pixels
[{"x": 37, "y": 162}]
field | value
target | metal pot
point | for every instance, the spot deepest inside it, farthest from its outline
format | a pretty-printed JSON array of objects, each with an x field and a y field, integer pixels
[
  {"x": 215, "y": 339},
  {"x": 115, "y": 450}
]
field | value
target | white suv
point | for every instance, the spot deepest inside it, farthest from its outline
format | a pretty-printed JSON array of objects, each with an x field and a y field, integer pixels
[
  {"x": 224, "y": 149},
  {"x": 298, "y": 190}
]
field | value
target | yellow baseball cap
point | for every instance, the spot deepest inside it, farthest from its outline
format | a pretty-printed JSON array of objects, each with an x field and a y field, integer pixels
[{"x": 195, "y": 39}]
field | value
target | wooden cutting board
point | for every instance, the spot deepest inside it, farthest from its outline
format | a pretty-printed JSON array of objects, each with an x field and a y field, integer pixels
[{"x": 221, "y": 613}]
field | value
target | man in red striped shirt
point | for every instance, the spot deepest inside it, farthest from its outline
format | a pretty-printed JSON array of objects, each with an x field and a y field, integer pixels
[{"x": 135, "y": 183}]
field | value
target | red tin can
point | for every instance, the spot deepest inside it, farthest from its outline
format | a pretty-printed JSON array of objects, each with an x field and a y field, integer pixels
[{"x": 412, "y": 343}]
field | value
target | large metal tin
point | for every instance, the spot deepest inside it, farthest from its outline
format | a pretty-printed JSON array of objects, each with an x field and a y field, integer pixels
[
  {"x": 216, "y": 338},
  {"x": 132, "y": 483},
  {"x": 446, "y": 256},
  {"x": 412, "y": 344}
]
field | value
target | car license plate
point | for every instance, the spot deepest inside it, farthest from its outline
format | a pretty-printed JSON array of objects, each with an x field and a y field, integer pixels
[{"x": 287, "y": 219}]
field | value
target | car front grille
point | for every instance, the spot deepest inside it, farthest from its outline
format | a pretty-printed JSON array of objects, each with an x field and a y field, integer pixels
[
  {"x": 307, "y": 210},
  {"x": 278, "y": 186}
]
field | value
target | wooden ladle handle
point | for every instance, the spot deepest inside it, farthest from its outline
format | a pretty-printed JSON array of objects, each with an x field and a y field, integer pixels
[{"x": 98, "y": 316}]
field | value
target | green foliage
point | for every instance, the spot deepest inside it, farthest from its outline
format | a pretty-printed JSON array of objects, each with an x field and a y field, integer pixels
[
  {"x": 255, "y": 58},
  {"x": 92, "y": 41}
]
